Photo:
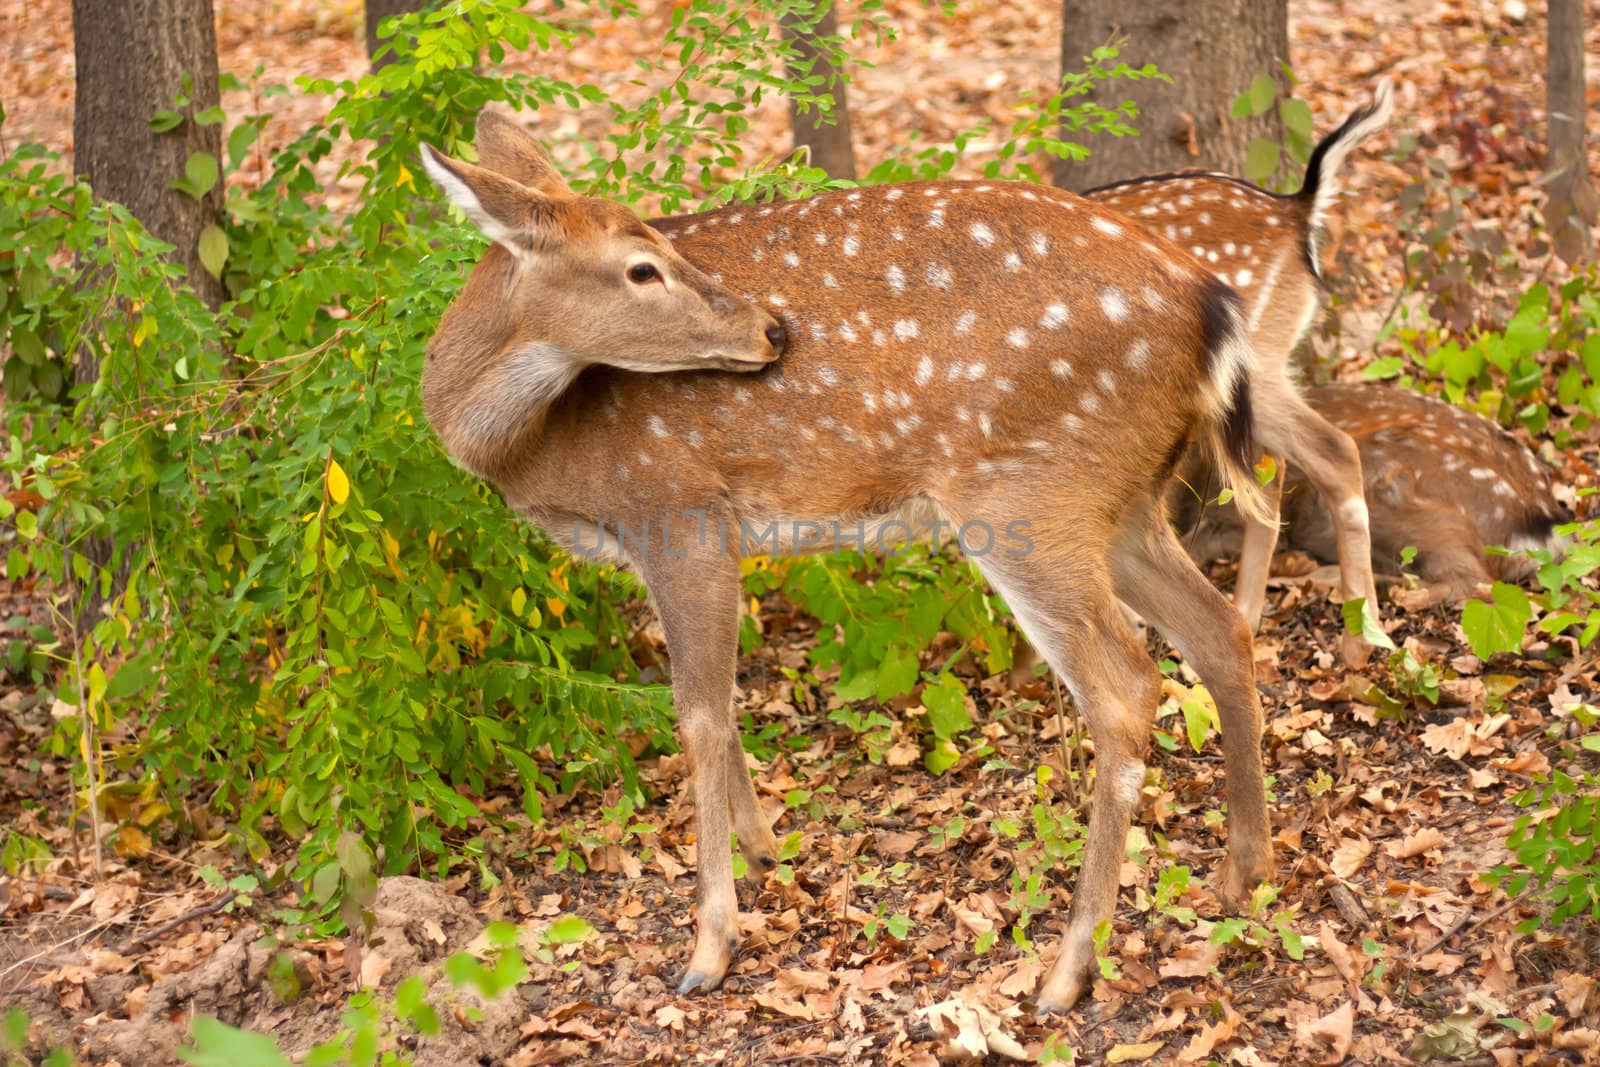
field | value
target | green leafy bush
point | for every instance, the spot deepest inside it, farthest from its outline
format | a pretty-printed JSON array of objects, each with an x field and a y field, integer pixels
[
  {"x": 308, "y": 616},
  {"x": 1555, "y": 845}
]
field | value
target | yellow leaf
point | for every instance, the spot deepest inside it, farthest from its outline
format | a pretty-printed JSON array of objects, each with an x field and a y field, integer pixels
[
  {"x": 132, "y": 841},
  {"x": 519, "y": 600},
  {"x": 557, "y": 607},
  {"x": 1133, "y": 1053},
  {"x": 338, "y": 482}
]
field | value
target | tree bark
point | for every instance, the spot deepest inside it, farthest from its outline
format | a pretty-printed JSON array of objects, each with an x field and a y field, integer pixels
[
  {"x": 132, "y": 56},
  {"x": 1570, "y": 209},
  {"x": 377, "y": 11},
  {"x": 1212, "y": 50},
  {"x": 832, "y": 147}
]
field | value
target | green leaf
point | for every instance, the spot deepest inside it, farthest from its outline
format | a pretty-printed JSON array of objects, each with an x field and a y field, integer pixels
[
  {"x": 210, "y": 116},
  {"x": 568, "y": 930},
  {"x": 1261, "y": 160},
  {"x": 1199, "y": 718},
  {"x": 220, "y": 1045},
  {"x": 240, "y": 138},
  {"x": 213, "y": 249},
  {"x": 946, "y": 701},
  {"x": 1497, "y": 627},
  {"x": 1296, "y": 115},
  {"x": 1361, "y": 621},
  {"x": 200, "y": 171},
  {"x": 897, "y": 674},
  {"x": 165, "y": 120},
  {"x": 1263, "y": 90}
]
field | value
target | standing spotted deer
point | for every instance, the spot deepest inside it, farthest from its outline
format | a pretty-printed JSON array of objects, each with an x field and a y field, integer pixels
[
  {"x": 1439, "y": 479},
  {"x": 991, "y": 356},
  {"x": 1265, "y": 246}
]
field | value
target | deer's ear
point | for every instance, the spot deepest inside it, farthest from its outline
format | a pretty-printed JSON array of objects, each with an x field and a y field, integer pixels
[
  {"x": 506, "y": 148},
  {"x": 511, "y": 215}
]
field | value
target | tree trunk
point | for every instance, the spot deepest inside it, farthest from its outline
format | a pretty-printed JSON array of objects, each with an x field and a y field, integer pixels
[
  {"x": 132, "y": 56},
  {"x": 377, "y": 11},
  {"x": 830, "y": 141},
  {"x": 1570, "y": 209},
  {"x": 1212, "y": 50}
]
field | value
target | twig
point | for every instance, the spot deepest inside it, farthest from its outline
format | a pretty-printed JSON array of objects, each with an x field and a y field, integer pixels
[
  {"x": 1061, "y": 735},
  {"x": 188, "y": 916},
  {"x": 1467, "y": 920},
  {"x": 1348, "y": 906},
  {"x": 90, "y": 741},
  {"x": 79, "y": 936}
]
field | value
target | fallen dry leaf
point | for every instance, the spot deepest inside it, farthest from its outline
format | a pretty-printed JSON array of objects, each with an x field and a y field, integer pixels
[
  {"x": 1415, "y": 844},
  {"x": 1330, "y": 1035},
  {"x": 1134, "y": 1053},
  {"x": 970, "y": 1031},
  {"x": 1349, "y": 856},
  {"x": 1194, "y": 960}
]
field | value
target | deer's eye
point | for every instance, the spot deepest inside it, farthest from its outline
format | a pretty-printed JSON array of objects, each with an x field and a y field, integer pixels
[{"x": 643, "y": 273}]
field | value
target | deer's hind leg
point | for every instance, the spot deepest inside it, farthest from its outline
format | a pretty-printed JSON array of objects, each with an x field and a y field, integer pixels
[
  {"x": 1061, "y": 595},
  {"x": 1156, "y": 578},
  {"x": 1328, "y": 458}
]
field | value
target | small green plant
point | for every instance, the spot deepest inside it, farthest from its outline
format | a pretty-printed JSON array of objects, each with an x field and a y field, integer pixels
[
  {"x": 1565, "y": 603},
  {"x": 1555, "y": 845},
  {"x": 896, "y": 925},
  {"x": 1258, "y": 930},
  {"x": 1266, "y": 162}
]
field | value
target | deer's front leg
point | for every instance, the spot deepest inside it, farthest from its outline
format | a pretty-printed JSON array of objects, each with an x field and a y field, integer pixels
[{"x": 697, "y": 597}]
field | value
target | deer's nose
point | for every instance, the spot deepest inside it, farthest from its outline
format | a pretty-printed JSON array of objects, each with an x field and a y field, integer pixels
[{"x": 777, "y": 337}]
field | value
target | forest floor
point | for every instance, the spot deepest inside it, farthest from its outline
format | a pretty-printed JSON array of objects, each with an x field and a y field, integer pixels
[{"x": 889, "y": 936}]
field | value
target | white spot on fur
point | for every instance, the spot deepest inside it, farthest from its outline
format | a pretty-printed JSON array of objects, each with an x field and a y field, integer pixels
[
  {"x": 1040, "y": 243},
  {"x": 1106, "y": 226},
  {"x": 1139, "y": 354},
  {"x": 924, "y": 371},
  {"x": 906, "y": 329},
  {"x": 1060, "y": 368},
  {"x": 965, "y": 320},
  {"x": 897, "y": 279},
  {"x": 982, "y": 234},
  {"x": 1114, "y": 303},
  {"x": 1017, "y": 338},
  {"x": 939, "y": 276},
  {"x": 1054, "y": 317}
]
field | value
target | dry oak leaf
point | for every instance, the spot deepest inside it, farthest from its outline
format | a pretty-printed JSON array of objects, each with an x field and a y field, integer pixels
[
  {"x": 1330, "y": 1035},
  {"x": 1343, "y": 957},
  {"x": 1350, "y": 856},
  {"x": 1209, "y": 1037},
  {"x": 670, "y": 1017},
  {"x": 1416, "y": 844},
  {"x": 1193, "y": 960},
  {"x": 1134, "y": 1053},
  {"x": 785, "y": 1006},
  {"x": 374, "y": 968},
  {"x": 970, "y": 1032},
  {"x": 1023, "y": 980},
  {"x": 794, "y": 983}
]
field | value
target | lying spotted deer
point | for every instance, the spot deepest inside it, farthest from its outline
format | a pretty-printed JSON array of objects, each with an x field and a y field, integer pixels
[
  {"x": 1265, "y": 245},
  {"x": 988, "y": 356},
  {"x": 1439, "y": 479}
]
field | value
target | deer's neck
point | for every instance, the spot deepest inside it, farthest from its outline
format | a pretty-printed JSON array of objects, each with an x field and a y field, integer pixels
[{"x": 502, "y": 419}]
